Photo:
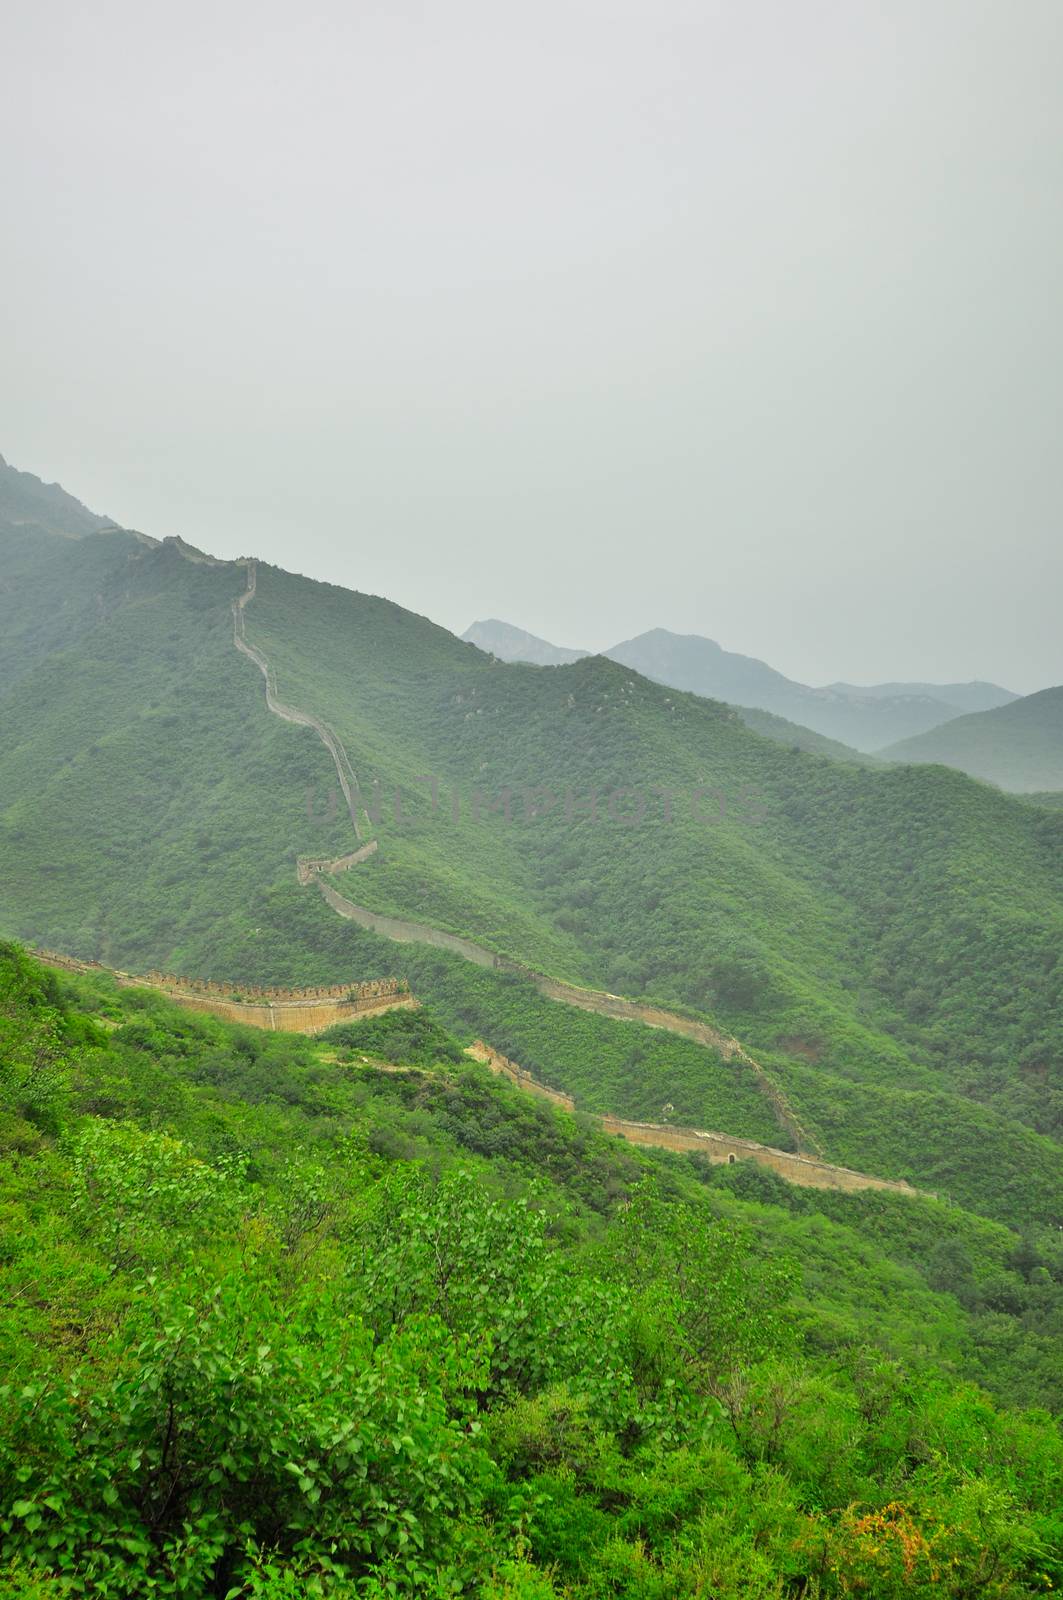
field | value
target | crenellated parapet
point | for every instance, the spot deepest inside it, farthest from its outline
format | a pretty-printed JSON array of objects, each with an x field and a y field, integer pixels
[{"x": 263, "y": 994}]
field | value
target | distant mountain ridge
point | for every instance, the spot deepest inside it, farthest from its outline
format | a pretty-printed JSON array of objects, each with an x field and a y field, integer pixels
[
  {"x": 508, "y": 643},
  {"x": 1017, "y": 746},
  {"x": 865, "y": 719},
  {"x": 879, "y": 717},
  {"x": 974, "y": 696}
]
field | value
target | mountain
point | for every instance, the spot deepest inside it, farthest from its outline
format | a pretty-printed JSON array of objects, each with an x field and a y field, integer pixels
[
  {"x": 799, "y": 738},
  {"x": 882, "y": 943},
  {"x": 863, "y": 719},
  {"x": 27, "y": 502},
  {"x": 1050, "y": 799},
  {"x": 1018, "y": 746},
  {"x": 297, "y": 1314},
  {"x": 866, "y": 719},
  {"x": 958, "y": 697},
  {"x": 508, "y": 643}
]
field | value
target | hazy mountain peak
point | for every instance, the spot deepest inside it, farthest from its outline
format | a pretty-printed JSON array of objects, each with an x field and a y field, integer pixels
[
  {"x": 27, "y": 501},
  {"x": 510, "y": 643},
  {"x": 865, "y": 718},
  {"x": 1018, "y": 746}
]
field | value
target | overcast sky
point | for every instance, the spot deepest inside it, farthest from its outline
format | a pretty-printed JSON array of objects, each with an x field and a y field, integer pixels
[{"x": 740, "y": 319}]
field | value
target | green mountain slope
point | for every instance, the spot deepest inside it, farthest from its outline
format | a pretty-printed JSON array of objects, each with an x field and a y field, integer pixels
[
  {"x": 134, "y": 769},
  {"x": 841, "y": 714},
  {"x": 52, "y": 590},
  {"x": 799, "y": 738},
  {"x": 286, "y": 1318},
  {"x": 1050, "y": 799},
  {"x": 27, "y": 502},
  {"x": 822, "y": 891},
  {"x": 508, "y": 643},
  {"x": 885, "y": 943},
  {"x": 1018, "y": 747}
]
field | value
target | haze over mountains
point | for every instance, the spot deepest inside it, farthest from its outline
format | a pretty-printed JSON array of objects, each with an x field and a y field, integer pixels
[
  {"x": 581, "y": 1126},
  {"x": 28, "y": 502},
  {"x": 153, "y": 807},
  {"x": 867, "y": 719},
  {"x": 1017, "y": 746},
  {"x": 1022, "y": 752}
]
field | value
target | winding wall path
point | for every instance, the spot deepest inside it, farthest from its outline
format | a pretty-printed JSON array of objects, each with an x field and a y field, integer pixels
[
  {"x": 596, "y": 1000},
  {"x": 403, "y": 931},
  {"x": 719, "y": 1148},
  {"x": 344, "y": 771},
  {"x": 311, "y": 1011}
]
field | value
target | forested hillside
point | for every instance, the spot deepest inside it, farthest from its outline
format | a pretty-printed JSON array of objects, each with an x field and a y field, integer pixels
[
  {"x": 283, "y": 1319},
  {"x": 483, "y": 1119},
  {"x": 1018, "y": 746},
  {"x": 885, "y": 942},
  {"x": 849, "y": 715},
  {"x": 514, "y": 644},
  {"x": 27, "y": 502},
  {"x": 866, "y": 719}
]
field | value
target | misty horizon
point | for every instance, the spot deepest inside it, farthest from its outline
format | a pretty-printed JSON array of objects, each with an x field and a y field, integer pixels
[
  {"x": 600, "y": 649},
  {"x": 738, "y": 322}
]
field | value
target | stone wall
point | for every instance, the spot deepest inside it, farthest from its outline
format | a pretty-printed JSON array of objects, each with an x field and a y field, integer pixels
[
  {"x": 505, "y": 1068},
  {"x": 727, "y": 1047},
  {"x": 722, "y": 1148},
  {"x": 297, "y": 1016},
  {"x": 344, "y": 771},
  {"x": 279, "y": 1010},
  {"x": 312, "y": 1010},
  {"x": 375, "y": 989},
  {"x": 404, "y": 932},
  {"x": 309, "y": 867}
]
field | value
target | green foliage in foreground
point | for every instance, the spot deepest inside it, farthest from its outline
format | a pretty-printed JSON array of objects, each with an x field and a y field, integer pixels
[{"x": 247, "y": 1351}]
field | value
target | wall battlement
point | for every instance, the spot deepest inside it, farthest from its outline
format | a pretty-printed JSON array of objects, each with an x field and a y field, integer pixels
[{"x": 279, "y": 1010}]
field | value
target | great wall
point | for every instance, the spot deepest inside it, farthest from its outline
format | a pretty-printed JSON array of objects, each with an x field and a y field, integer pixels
[
  {"x": 311, "y": 870},
  {"x": 599, "y": 1001},
  {"x": 719, "y": 1148},
  {"x": 278, "y": 1010},
  {"x": 347, "y": 780},
  {"x": 313, "y": 1010}
]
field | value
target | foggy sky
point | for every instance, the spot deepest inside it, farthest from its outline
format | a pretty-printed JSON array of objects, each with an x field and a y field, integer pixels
[{"x": 740, "y": 319}]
